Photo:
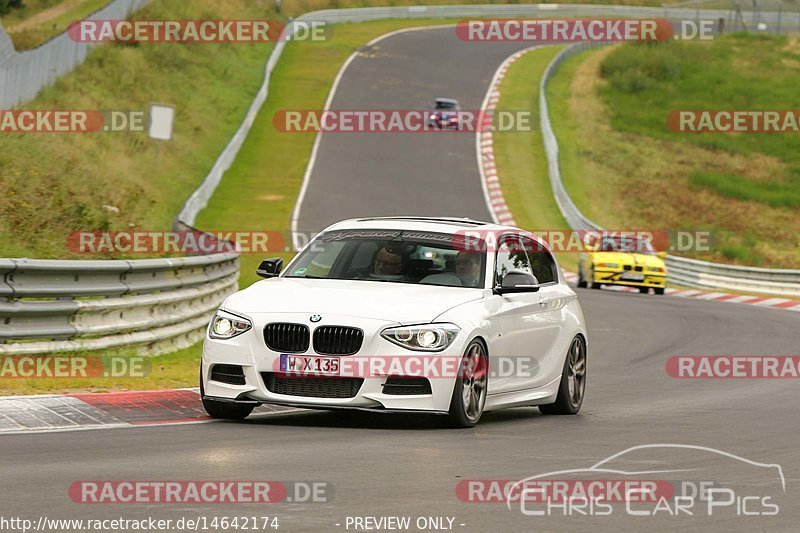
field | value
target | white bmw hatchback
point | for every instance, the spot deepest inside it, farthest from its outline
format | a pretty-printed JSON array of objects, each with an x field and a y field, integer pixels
[{"x": 405, "y": 314}]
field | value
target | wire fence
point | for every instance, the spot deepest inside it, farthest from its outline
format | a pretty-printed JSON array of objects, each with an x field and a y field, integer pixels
[{"x": 24, "y": 74}]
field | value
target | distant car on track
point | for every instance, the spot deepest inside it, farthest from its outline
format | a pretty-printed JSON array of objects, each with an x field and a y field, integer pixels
[
  {"x": 624, "y": 261},
  {"x": 446, "y": 114},
  {"x": 402, "y": 288}
]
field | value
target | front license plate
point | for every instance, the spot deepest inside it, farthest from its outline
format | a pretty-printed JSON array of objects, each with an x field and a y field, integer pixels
[
  {"x": 304, "y": 364},
  {"x": 631, "y": 277}
]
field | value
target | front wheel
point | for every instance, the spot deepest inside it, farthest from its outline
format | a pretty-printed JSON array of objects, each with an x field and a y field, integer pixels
[
  {"x": 573, "y": 382},
  {"x": 592, "y": 283},
  {"x": 469, "y": 392},
  {"x": 659, "y": 290},
  {"x": 581, "y": 281},
  {"x": 224, "y": 410}
]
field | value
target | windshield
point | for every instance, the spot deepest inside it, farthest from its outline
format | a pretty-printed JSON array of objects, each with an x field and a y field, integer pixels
[
  {"x": 617, "y": 243},
  {"x": 391, "y": 256},
  {"x": 445, "y": 105}
]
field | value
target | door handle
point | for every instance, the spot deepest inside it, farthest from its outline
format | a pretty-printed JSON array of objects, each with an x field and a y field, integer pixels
[{"x": 544, "y": 300}]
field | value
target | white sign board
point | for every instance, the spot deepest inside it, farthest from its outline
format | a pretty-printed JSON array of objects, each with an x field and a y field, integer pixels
[{"x": 161, "y": 117}]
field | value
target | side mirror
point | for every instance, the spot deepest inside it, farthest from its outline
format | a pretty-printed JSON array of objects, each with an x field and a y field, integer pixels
[
  {"x": 269, "y": 268},
  {"x": 515, "y": 282},
  {"x": 662, "y": 255}
]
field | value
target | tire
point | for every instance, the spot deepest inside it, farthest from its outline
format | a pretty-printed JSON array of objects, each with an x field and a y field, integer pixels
[
  {"x": 644, "y": 290},
  {"x": 659, "y": 290},
  {"x": 592, "y": 283},
  {"x": 469, "y": 391},
  {"x": 572, "y": 388},
  {"x": 224, "y": 410},
  {"x": 581, "y": 281}
]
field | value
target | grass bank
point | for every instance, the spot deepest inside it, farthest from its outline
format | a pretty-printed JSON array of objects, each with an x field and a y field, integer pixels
[
  {"x": 55, "y": 184},
  {"x": 624, "y": 167}
]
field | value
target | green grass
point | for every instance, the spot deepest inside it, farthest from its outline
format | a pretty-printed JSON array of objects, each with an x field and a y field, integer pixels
[
  {"x": 175, "y": 370},
  {"x": 739, "y": 71},
  {"x": 772, "y": 193},
  {"x": 520, "y": 156},
  {"x": 56, "y": 184},
  {"x": 625, "y": 168}
]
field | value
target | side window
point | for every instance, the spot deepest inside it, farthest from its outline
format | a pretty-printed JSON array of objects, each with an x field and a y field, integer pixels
[
  {"x": 542, "y": 263},
  {"x": 510, "y": 256}
]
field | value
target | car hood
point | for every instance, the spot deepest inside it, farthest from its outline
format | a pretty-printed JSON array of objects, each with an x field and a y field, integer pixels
[
  {"x": 394, "y": 302},
  {"x": 628, "y": 259}
]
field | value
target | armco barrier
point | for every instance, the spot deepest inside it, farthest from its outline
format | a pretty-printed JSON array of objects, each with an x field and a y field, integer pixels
[
  {"x": 680, "y": 270},
  {"x": 153, "y": 305}
]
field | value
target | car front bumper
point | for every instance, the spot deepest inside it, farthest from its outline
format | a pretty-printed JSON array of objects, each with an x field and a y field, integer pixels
[
  {"x": 259, "y": 363},
  {"x": 656, "y": 280}
]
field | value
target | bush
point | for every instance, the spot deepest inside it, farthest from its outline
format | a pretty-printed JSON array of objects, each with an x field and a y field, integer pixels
[
  {"x": 638, "y": 67},
  {"x": 7, "y": 5}
]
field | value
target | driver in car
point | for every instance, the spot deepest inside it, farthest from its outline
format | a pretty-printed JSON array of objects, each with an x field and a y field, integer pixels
[
  {"x": 388, "y": 264},
  {"x": 468, "y": 268}
]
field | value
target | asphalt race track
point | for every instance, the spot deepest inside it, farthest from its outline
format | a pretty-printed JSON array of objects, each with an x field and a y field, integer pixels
[{"x": 406, "y": 466}]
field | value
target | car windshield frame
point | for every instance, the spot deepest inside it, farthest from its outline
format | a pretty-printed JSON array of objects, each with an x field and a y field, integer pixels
[
  {"x": 406, "y": 241},
  {"x": 626, "y": 245}
]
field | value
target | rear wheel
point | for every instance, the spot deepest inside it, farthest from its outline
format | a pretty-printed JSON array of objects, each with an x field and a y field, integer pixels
[
  {"x": 659, "y": 290},
  {"x": 644, "y": 290},
  {"x": 469, "y": 392},
  {"x": 224, "y": 410},
  {"x": 573, "y": 382}
]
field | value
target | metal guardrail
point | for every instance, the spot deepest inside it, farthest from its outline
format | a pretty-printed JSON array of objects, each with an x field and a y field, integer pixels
[
  {"x": 24, "y": 74},
  {"x": 680, "y": 270},
  {"x": 155, "y": 305}
]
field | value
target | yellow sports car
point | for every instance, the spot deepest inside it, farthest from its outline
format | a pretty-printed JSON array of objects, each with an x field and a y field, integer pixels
[{"x": 627, "y": 261}]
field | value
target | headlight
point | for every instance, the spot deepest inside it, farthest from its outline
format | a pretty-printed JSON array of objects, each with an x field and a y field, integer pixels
[
  {"x": 608, "y": 265},
  {"x": 226, "y": 325},
  {"x": 655, "y": 269},
  {"x": 422, "y": 338}
]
